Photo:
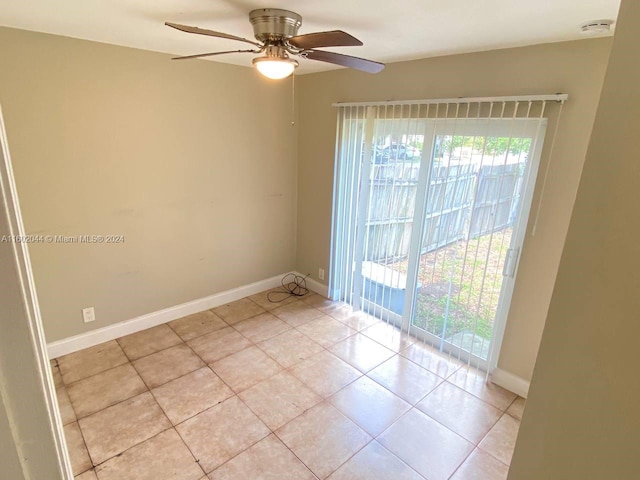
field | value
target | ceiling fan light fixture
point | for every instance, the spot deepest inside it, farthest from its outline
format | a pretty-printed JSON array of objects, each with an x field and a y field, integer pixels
[
  {"x": 275, "y": 68},
  {"x": 277, "y": 33}
]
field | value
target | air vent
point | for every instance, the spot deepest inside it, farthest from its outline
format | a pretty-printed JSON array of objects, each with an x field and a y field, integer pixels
[{"x": 596, "y": 26}]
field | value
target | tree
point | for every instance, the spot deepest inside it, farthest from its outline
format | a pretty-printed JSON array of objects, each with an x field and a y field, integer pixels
[{"x": 492, "y": 146}]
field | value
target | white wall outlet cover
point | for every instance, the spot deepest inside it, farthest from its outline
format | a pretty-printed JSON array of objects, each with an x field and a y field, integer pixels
[{"x": 88, "y": 314}]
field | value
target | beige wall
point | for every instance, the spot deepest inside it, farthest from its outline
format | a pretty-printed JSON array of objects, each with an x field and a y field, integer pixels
[
  {"x": 576, "y": 68},
  {"x": 582, "y": 419},
  {"x": 193, "y": 162}
]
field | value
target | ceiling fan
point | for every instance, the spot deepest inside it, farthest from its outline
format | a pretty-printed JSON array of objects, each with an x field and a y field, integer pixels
[{"x": 277, "y": 33}]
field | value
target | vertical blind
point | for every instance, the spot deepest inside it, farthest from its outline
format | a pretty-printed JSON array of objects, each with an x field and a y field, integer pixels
[{"x": 430, "y": 198}]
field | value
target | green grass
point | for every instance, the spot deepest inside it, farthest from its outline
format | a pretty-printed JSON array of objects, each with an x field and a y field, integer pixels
[{"x": 474, "y": 295}]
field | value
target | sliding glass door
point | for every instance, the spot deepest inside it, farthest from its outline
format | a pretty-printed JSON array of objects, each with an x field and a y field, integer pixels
[
  {"x": 431, "y": 203},
  {"x": 472, "y": 226}
]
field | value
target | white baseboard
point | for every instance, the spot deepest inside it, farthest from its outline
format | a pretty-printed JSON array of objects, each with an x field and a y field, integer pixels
[
  {"x": 127, "y": 327},
  {"x": 315, "y": 286},
  {"x": 511, "y": 382}
]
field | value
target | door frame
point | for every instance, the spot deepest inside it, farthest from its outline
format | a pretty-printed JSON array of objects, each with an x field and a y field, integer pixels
[{"x": 39, "y": 446}]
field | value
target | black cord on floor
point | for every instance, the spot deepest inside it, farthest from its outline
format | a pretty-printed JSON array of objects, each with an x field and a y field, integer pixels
[{"x": 292, "y": 286}]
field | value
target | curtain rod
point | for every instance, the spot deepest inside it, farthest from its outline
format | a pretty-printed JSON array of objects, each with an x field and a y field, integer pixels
[{"x": 558, "y": 97}]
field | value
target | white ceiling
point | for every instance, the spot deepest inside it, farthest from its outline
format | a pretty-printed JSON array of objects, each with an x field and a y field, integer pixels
[{"x": 392, "y": 30}]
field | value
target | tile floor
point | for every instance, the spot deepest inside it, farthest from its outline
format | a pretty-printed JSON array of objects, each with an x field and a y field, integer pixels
[{"x": 303, "y": 389}]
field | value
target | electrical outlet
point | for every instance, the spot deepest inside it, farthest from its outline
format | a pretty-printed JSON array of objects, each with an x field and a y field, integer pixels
[
  {"x": 321, "y": 273},
  {"x": 88, "y": 314}
]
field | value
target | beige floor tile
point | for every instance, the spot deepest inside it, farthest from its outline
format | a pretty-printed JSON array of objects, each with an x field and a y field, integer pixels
[
  {"x": 389, "y": 336},
  {"x": 117, "y": 428},
  {"x": 372, "y": 407},
  {"x": 516, "y": 409},
  {"x": 278, "y": 296},
  {"x": 167, "y": 365},
  {"x": 191, "y": 394},
  {"x": 317, "y": 301},
  {"x": 218, "y": 344},
  {"x": 361, "y": 352},
  {"x": 163, "y": 457},
  {"x": 220, "y": 433},
  {"x": 245, "y": 368},
  {"x": 90, "y": 361},
  {"x": 460, "y": 411},
  {"x": 279, "y": 399},
  {"x": 196, "y": 325},
  {"x": 134, "y": 438},
  {"x": 323, "y": 438},
  {"x": 261, "y": 327},
  {"x": 237, "y": 311},
  {"x": 359, "y": 321},
  {"x": 55, "y": 373},
  {"x": 290, "y": 348},
  {"x": 326, "y": 330},
  {"x": 374, "y": 462},
  {"x": 297, "y": 313},
  {"x": 104, "y": 389},
  {"x": 425, "y": 445},
  {"x": 474, "y": 381},
  {"x": 80, "y": 461},
  {"x": 409, "y": 381},
  {"x": 88, "y": 475},
  {"x": 64, "y": 405},
  {"x": 325, "y": 373},
  {"x": 148, "y": 341},
  {"x": 338, "y": 310},
  {"x": 268, "y": 459},
  {"x": 431, "y": 359},
  {"x": 481, "y": 466},
  {"x": 501, "y": 439}
]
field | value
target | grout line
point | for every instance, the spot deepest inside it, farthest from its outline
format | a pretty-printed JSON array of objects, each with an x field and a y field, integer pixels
[
  {"x": 92, "y": 375},
  {"x": 323, "y": 399},
  {"x": 398, "y": 458},
  {"x": 294, "y": 453},
  {"x": 487, "y": 452},
  {"x": 251, "y": 445},
  {"x": 112, "y": 405},
  {"x": 197, "y": 336},
  {"x": 180, "y": 340},
  {"x": 148, "y": 389},
  {"x": 197, "y": 460},
  {"x": 129, "y": 448},
  {"x": 462, "y": 462},
  {"x": 84, "y": 442},
  {"x": 326, "y": 401},
  {"x": 291, "y": 329}
]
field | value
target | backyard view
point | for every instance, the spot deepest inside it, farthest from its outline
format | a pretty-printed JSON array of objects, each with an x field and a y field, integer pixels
[
  {"x": 471, "y": 204},
  {"x": 431, "y": 208},
  {"x": 460, "y": 289}
]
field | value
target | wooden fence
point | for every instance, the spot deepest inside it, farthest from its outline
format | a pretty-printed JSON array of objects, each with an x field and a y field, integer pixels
[{"x": 462, "y": 200}]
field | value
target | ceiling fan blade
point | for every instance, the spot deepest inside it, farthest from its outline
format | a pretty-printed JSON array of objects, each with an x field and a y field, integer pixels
[
  {"x": 333, "y": 38},
  {"x": 211, "y": 33},
  {"x": 356, "y": 63},
  {"x": 199, "y": 55}
]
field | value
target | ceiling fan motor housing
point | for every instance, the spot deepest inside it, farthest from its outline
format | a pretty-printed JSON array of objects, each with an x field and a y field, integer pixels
[{"x": 274, "y": 24}]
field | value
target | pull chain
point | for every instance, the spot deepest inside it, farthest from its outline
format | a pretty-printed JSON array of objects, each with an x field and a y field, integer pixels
[{"x": 293, "y": 99}]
